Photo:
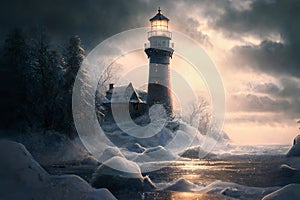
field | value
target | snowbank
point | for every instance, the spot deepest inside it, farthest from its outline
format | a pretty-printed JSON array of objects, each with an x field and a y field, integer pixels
[
  {"x": 291, "y": 191},
  {"x": 23, "y": 178}
]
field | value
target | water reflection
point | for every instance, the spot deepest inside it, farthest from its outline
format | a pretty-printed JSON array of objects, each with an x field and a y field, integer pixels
[{"x": 171, "y": 195}]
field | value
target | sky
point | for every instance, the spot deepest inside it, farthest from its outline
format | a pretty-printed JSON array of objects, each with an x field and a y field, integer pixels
[{"x": 254, "y": 44}]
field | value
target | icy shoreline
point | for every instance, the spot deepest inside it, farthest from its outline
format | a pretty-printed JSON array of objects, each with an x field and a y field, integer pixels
[{"x": 65, "y": 152}]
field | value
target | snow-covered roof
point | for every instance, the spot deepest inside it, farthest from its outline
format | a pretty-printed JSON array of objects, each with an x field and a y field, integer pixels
[{"x": 124, "y": 94}]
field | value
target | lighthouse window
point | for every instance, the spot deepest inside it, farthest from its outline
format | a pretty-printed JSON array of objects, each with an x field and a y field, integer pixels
[{"x": 156, "y": 67}]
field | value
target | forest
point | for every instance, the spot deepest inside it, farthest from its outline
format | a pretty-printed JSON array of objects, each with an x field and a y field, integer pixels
[{"x": 37, "y": 80}]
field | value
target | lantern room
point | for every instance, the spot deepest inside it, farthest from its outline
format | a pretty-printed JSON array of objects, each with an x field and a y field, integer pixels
[{"x": 159, "y": 25}]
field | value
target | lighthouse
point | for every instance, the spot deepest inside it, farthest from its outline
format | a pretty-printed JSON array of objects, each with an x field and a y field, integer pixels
[{"x": 159, "y": 51}]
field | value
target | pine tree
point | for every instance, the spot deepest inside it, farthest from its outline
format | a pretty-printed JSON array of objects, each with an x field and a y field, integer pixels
[
  {"x": 74, "y": 56},
  {"x": 14, "y": 61}
]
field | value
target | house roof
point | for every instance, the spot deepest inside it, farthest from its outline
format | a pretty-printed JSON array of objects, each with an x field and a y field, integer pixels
[{"x": 124, "y": 94}]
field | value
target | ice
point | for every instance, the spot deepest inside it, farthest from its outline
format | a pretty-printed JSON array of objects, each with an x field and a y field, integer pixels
[
  {"x": 23, "y": 178},
  {"x": 291, "y": 191},
  {"x": 222, "y": 188}
]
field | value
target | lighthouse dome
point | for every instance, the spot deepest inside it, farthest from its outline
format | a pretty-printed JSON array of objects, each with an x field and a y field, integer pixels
[{"x": 159, "y": 16}]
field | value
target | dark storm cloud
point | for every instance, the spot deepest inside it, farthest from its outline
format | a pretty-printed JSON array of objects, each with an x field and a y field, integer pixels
[
  {"x": 269, "y": 98},
  {"x": 94, "y": 20},
  {"x": 259, "y": 118},
  {"x": 270, "y": 57},
  {"x": 265, "y": 88},
  {"x": 263, "y": 17},
  {"x": 257, "y": 103},
  {"x": 266, "y": 18}
]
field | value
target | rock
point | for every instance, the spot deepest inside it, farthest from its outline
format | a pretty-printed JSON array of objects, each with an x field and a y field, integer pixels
[
  {"x": 158, "y": 153},
  {"x": 127, "y": 176},
  {"x": 181, "y": 185},
  {"x": 23, "y": 178},
  {"x": 109, "y": 153},
  {"x": 136, "y": 147},
  {"x": 295, "y": 149},
  {"x": 287, "y": 170},
  {"x": 90, "y": 160},
  {"x": 291, "y": 191}
]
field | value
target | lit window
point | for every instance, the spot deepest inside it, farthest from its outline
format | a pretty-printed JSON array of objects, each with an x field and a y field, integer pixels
[{"x": 156, "y": 82}]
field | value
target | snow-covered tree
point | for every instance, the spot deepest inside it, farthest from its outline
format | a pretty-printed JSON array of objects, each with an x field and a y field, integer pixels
[
  {"x": 201, "y": 112},
  {"x": 74, "y": 56}
]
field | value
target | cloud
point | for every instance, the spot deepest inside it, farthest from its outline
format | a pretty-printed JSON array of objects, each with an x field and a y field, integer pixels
[
  {"x": 264, "y": 19},
  {"x": 270, "y": 57},
  {"x": 276, "y": 101},
  {"x": 265, "y": 88},
  {"x": 93, "y": 20}
]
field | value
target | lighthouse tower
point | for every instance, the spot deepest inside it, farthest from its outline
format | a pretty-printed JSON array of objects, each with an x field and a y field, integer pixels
[{"x": 159, "y": 52}]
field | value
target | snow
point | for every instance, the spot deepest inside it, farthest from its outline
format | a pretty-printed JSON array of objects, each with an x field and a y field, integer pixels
[
  {"x": 23, "y": 178},
  {"x": 291, "y": 191}
]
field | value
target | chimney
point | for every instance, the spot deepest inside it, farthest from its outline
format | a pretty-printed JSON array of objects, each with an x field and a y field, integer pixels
[{"x": 111, "y": 86}]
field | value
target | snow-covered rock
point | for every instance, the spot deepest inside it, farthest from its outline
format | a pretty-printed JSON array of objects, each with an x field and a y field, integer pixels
[
  {"x": 291, "y": 170},
  {"x": 109, "y": 153},
  {"x": 136, "y": 147},
  {"x": 291, "y": 191},
  {"x": 288, "y": 170},
  {"x": 220, "y": 188},
  {"x": 23, "y": 178},
  {"x": 90, "y": 160},
  {"x": 127, "y": 176},
  {"x": 181, "y": 185},
  {"x": 237, "y": 191},
  {"x": 295, "y": 149},
  {"x": 158, "y": 153}
]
